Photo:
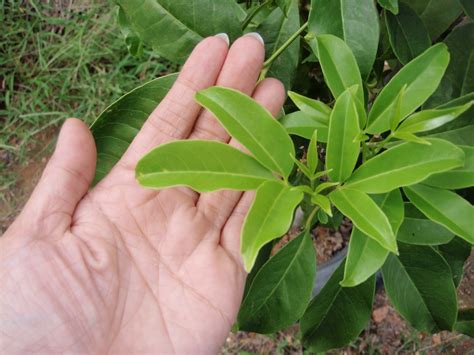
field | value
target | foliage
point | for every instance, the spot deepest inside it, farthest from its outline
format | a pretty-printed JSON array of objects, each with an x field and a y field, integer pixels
[{"x": 388, "y": 134}]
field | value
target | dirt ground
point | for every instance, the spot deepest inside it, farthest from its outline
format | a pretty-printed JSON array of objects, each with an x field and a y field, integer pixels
[{"x": 387, "y": 333}]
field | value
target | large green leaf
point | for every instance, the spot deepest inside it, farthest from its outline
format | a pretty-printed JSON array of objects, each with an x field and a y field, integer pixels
[
  {"x": 314, "y": 108},
  {"x": 465, "y": 322},
  {"x": 456, "y": 253},
  {"x": 457, "y": 178},
  {"x": 252, "y": 125},
  {"x": 417, "y": 229},
  {"x": 460, "y": 43},
  {"x": 365, "y": 256},
  {"x": 281, "y": 290},
  {"x": 444, "y": 207},
  {"x": 460, "y": 136},
  {"x": 338, "y": 64},
  {"x": 301, "y": 124},
  {"x": 420, "y": 286},
  {"x": 174, "y": 27},
  {"x": 337, "y": 314},
  {"x": 365, "y": 215},
  {"x": 354, "y": 21},
  {"x": 405, "y": 164},
  {"x": 276, "y": 30},
  {"x": 430, "y": 119},
  {"x": 343, "y": 149},
  {"x": 437, "y": 15},
  {"x": 407, "y": 33},
  {"x": 421, "y": 77},
  {"x": 269, "y": 217},
  {"x": 201, "y": 165},
  {"x": 119, "y": 123}
]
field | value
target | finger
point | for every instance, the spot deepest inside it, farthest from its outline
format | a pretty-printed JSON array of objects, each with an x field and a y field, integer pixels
[
  {"x": 64, "y": 182},
  {"x": 176, "y": 114},
  {"x": 217, "y": 206},
  {"x": 240, "y": 71}
]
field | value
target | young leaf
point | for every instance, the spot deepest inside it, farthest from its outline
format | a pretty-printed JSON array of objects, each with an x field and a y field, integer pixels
[
  {"x": 456, "y": 252},
  {"x": 304, "y": 169},
  {"x": 417, "y": 229},
  {"x": 342, "y": 148},
  {"x": 119, "y": 123},
  {"x": 465, "y": 322},
  {"x": 312, "y": 155},
  {"x": 407, "y": 33},
  {"x": 390, "y": 5},
  {"x": 338, "y": 64},
  {"x": 459, "y": 178},
  {"x": 421, "y": 77},
  {"x": 323, "y": 202},
  {"x": 444, "y": 207},
  {"x": 430, "y": 119},
  {"x": 304, "y": 125},
  {"x": 336, "y": 307},
  {"x": 181, "y": 25},
  {"x": 395, "y": 112},
  {"x": 269, "y": 217},
  {"x": 314, "y": 108},
  {"x": 365, "y": 256},
  {"x": 252, "y": 125},
  {"x": 324, "y": 185},
  {"x": 419, "y": 285},
  {"x": 201, "y": 165},
  {"x": 365, "y": 215},
  {"x": 281, "y": 290},
  {"x": 405, "y": 164},
  {"x": 354, "y": 21}
]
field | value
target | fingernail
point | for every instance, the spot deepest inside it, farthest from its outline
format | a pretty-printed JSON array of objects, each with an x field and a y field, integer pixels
[
  {"x": 224, "y": 37},
  {"x": 257, "y": 36}
]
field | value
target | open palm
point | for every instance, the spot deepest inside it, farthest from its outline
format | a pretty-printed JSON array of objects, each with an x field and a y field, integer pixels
[{"x": 123, "y": 269}]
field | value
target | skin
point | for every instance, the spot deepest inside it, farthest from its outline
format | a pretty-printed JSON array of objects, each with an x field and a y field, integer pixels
[{"x": 123, "y": 269}]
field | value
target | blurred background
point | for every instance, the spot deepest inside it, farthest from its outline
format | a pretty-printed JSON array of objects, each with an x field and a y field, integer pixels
[{"x": 67, "y": 58}]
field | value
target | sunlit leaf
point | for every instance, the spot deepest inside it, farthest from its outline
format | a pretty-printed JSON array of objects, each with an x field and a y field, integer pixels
[{"x": 303, "y": 125}]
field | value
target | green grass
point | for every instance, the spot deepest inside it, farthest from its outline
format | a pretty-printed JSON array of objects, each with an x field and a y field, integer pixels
[{"x": 59, "y": 63}]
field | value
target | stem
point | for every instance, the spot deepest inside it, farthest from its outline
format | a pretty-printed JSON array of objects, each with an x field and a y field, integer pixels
[
  {"x": 255, "y": 11},
  {"x": 382, "y": 143},
  {"x": 276, "y": 54},
  {"x": 310, "y": 218}
]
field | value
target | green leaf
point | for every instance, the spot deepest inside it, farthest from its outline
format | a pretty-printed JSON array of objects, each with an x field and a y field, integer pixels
[
  {"x": 365, "y": 256},
  {"x": 201, "y": 165},
  {"x": 304, "y": 125},
  {"x": 444, "y": 207},
  {"x": 354, "y": 21},
  {"x": 173, "y": 28},
  {"x": 468, "y": 7},
  {"x": 365, "y": 215},
  {"x": 314, "y": 108},
  {"x": 282, "y": 288},
  {"x": 324, "y": 185},
  {"x": 263, "y": 256},
  {"x": 460, "y": 136},
  {"x": 405, "y": 164},
  {"x": 346, "y": 310},
  {"x": 410, "y": 137},
  {"x": 312, "y": 154},
  {"x": 323, "y": 202},
  {"x": 269, "y": 217},
  {"x": 407, "y": 34},
  {"x": 118, "y": 124},
  {"x": 459, "y": 178},
  {"x": 276, "y": 29},
  {"x": 133, "y": 42},
  {"x": 304, "y": 169},
  {"x": 465, "y": 322},
  {"x": 252, "y": 125},
  {"x": 430, "y": 119},
  {"x": 343, "y": 149},
  {"x": 421, "y": 77},
  {"x": 456, "y": 252},
  {"x": 417, "y": 229},
  {"x": 419, "y": 285},
  {"x": 284, "y": 5},
  {"x": 460, "y": 43},
  {"x": 390, "y": 5},
  {"x": 437, "y": 15},
  {"x": 395, "y": 114},
  {"x": 338, "y": 64}
]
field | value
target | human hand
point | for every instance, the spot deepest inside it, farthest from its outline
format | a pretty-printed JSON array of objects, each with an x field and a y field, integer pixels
[{"x": 123, "y": 269}]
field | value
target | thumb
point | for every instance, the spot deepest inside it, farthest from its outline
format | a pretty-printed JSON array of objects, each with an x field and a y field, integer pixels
[{"x": 65, "y": 180}]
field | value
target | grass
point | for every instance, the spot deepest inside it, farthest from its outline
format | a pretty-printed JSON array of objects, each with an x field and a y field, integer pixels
[{"x": 58, "y": 63}]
